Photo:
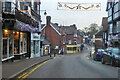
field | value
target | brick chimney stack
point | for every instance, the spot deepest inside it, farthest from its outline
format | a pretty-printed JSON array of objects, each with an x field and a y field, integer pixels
[{"x": 48, "y": 20}]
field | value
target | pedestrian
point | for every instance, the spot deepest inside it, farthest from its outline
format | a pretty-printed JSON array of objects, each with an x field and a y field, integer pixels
[{"x": 81, "y": 47}]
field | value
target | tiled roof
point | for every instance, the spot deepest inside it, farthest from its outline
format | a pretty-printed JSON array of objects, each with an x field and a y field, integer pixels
[{"x": 69, "y": 29}]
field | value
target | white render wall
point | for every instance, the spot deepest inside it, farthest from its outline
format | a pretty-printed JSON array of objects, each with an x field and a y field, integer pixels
[{"x": 1, "y": 42}]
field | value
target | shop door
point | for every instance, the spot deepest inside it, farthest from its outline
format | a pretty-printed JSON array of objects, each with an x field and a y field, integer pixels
[{"x": 5, "y": 48}]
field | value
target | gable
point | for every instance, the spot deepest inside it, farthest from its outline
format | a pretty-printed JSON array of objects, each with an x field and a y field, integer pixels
[{"x": 53, "y": 28}]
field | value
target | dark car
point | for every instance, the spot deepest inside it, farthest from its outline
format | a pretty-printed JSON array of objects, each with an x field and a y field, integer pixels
[
  {"x": 106, "y": 58},
  {"x": 111, "y": 56},
  {"x": 98, "y": 55}
]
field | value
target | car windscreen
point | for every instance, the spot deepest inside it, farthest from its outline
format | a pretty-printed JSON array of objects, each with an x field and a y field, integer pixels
[{"x": 116, "y": 51}]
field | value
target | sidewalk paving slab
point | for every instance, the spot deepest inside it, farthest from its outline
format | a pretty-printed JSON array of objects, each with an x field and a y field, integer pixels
[{"x": 12, "y": 69}]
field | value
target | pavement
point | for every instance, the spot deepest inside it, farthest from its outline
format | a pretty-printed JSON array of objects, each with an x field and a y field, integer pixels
[{"x": 12, "y": 69}]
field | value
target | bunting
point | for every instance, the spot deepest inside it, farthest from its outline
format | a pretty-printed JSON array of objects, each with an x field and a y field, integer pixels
[{"x": 79, "y": 6}]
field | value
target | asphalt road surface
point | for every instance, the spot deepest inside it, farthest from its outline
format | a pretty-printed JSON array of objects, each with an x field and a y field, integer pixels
[{"x": 74, "y": 66}]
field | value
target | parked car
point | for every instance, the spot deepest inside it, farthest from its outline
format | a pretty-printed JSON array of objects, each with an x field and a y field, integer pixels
[
  {"x": 111, "y": 56},
  {"x": 106, "y": 58},
  {"x": 98, "y": 54}
]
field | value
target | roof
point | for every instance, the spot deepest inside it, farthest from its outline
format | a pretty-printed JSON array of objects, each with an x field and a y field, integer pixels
[
  {"x": 55, "y": 27},
  {"x": 99, "y": 34},
  {"x": 69, "y": 29},
  {"x": 45, "y": 42},
  {"x": 105, "y": 23},
  {"x": 80, "y": 33}
]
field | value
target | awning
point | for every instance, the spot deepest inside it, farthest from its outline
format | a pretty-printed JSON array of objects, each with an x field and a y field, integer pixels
[
  {"x": 45, "y": 42},
  {"x": 25, "y": 27}
]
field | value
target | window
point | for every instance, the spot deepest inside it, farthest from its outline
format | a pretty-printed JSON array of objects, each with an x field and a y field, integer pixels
[
  {"x": 69, "y": 42},
  {"x": 110, "y": 28},
  {"x": 7, "y": 44},
  {"x": 118, "y": 26},
  {"x": 69, "y": 48},
  {"x": 7, "y": 6},
  {"x": 110, "y": 12},
  {"x": 23, "y": 42},
  {"x": 75, "y": 35},
  {"x": 74, "y": 48}
]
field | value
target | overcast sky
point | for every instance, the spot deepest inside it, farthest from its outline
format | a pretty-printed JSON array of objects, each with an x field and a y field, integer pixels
[{"x": 68, "y": 17}]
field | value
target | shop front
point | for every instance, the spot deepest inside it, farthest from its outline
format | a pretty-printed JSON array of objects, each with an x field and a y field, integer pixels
[
  {"x": 14, "y": 44},
  {"x": 46, "y": 47},
  {"x": 35, "y": 45}
]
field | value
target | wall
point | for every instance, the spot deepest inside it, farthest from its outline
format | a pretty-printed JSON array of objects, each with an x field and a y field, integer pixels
[
  {"x": 0, "y": 39},
  {"x": 70, "y": 37},
  {"x": 52, "y": 36}
]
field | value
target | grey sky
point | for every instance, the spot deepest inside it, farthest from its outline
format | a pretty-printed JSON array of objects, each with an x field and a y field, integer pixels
[{"x": 69, "y": 17}]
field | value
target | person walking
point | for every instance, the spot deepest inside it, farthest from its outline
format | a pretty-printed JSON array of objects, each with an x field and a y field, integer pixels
[{"x": 81, "y": 47}]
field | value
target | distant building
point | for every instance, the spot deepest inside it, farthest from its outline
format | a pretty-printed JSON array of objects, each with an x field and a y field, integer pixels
[
  {"x": 99, "y": 40},
  {"x": 105, "y": 31},
  {"x": 71, "y": 39}
]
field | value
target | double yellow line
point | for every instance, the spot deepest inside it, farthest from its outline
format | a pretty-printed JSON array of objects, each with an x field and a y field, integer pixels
[{"x": 26, "y": 74}]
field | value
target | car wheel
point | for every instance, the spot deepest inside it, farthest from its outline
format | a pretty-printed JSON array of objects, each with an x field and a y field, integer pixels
[{"x": 102, "y": 60}]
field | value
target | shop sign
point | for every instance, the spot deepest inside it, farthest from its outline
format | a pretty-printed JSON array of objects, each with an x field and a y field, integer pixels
[
  {"x": 35, "y": 36},
  {"x": 114, "y": 38}
]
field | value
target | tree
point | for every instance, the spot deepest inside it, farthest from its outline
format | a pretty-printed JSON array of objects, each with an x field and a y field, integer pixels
[{"x": 93, "y": 28}]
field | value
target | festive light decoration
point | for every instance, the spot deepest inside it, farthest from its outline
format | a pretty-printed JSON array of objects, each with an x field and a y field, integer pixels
[
  {"x": 78, "y": 6},
  {"x": 27, "y": 11}
]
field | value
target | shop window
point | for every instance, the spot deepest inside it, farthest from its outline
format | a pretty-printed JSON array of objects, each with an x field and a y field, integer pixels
[
  {"x": 16, "y": 42},
  {"x": 74, "y": 48},
  {"x": 8, "y": 45},
  {"x": 69, "y": 48},
  {"x": 23, "y": 43}
]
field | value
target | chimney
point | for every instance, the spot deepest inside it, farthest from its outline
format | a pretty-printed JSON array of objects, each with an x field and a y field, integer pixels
[{"x": 48, "y": 20}]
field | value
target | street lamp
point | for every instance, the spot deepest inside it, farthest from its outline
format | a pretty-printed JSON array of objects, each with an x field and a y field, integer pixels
[{"x": 45, "y": 13}]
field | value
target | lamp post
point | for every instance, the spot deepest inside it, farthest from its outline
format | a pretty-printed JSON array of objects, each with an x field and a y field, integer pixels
[{"x": 41, "y": 49}]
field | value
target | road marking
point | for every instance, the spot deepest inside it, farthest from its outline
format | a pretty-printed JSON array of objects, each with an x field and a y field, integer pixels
[
  {"x": 22, "y": 75},
  {"x": 54, "y": 57},
  {"x": 26, "y": 74},
  {"x": 87, "y": 57}
]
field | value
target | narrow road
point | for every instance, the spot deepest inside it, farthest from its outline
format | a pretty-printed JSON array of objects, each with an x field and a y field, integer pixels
[{"x": 74, "y": 66}]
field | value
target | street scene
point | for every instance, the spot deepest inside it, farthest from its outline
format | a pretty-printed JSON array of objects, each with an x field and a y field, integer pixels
[{"x": 59, "y": 39}]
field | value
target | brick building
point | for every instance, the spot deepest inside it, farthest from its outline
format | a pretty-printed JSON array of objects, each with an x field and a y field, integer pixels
[{"x": 52, "y": 33}]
